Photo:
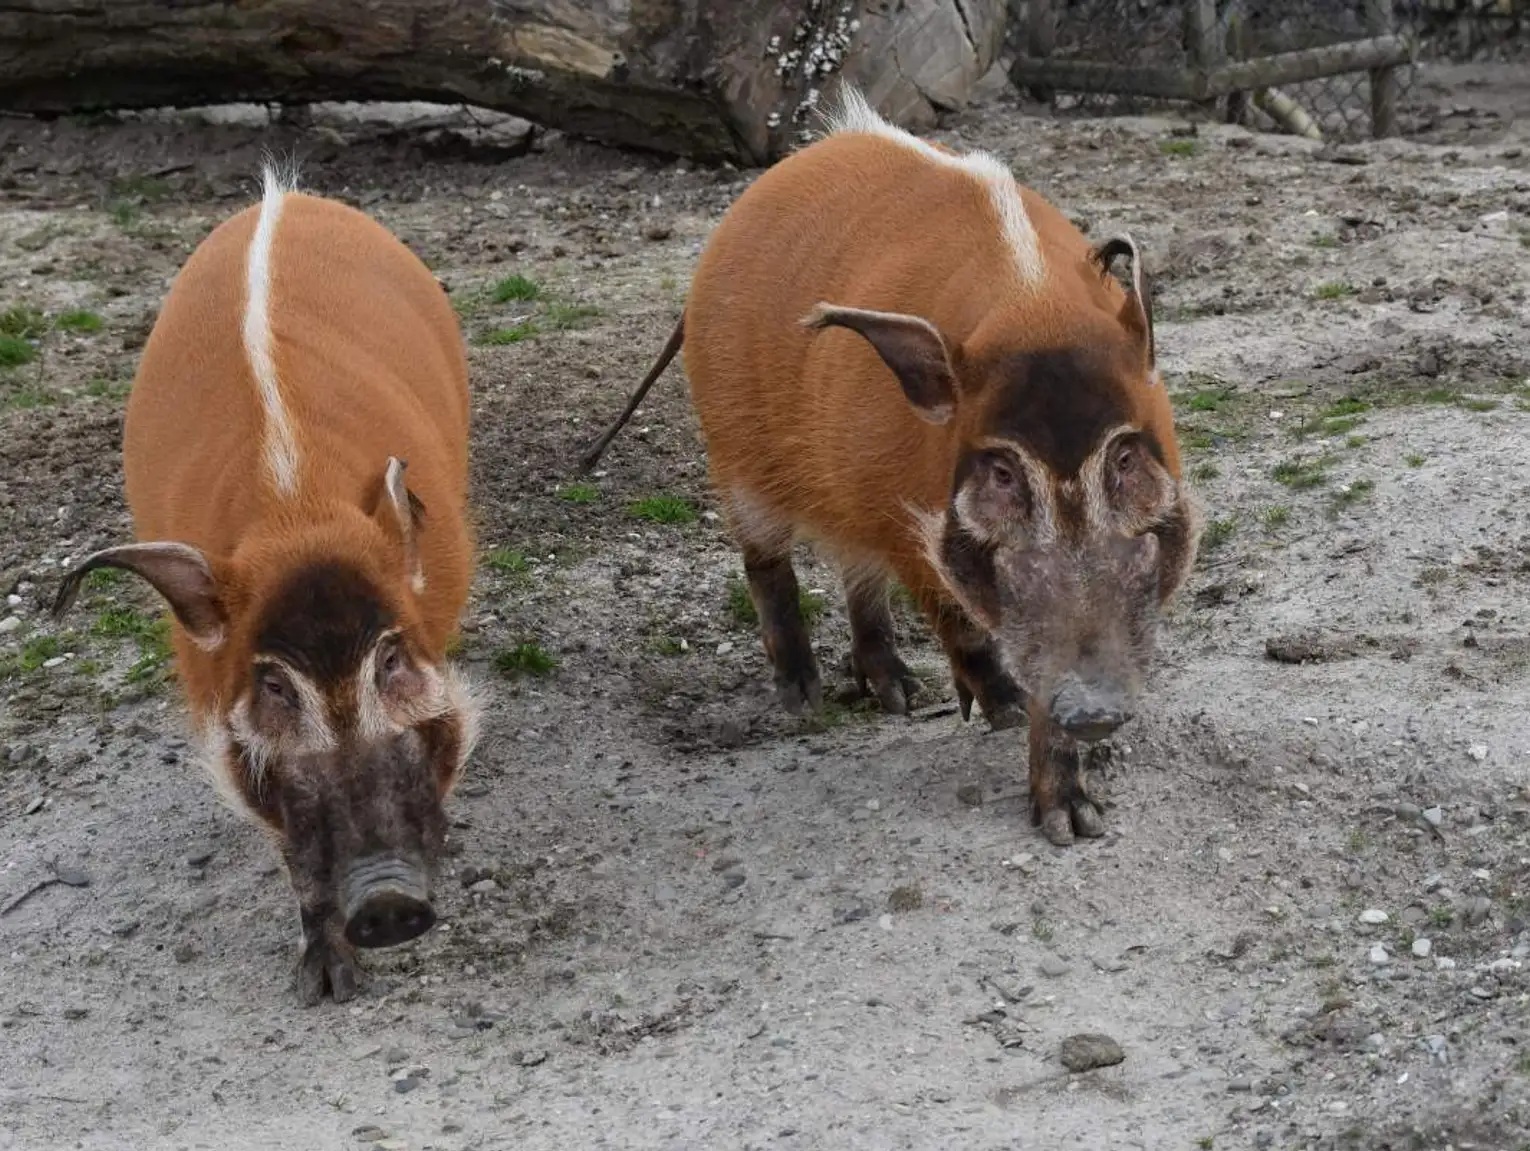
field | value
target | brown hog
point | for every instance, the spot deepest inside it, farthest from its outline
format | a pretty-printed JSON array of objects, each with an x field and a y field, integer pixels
[
  {"x": 302, "y": 356},
  {"x": 898, "y": 352}
]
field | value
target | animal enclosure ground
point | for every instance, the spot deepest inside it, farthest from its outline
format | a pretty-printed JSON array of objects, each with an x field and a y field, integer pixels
[{"x": 675, "y": 917}]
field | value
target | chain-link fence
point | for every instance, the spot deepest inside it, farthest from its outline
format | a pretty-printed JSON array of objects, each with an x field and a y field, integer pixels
[{"x": 1253, "y": 61}]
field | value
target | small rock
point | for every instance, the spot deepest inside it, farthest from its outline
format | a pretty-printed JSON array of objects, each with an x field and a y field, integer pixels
[
  {"x": 366, "y": 1051},
  {"x": 9, "y": 624},
  {"x": 1108, "y": 964},
  {"x": 405, "y": 1085},
  {"x": 1379, "y": 955},
  {"x": 1444, "y": 963},
  {"x": 843, "y": 915},
  {"x": 1484, "y": 992},
  {"x": 532, "y": 1058},
  {"x": 1052, "y": 966},
  {"x": 1477, "y": 910},
  {"x": 484, "y": 887},
  {"x": 36, "y": 805},
  {"x": 367, "y": 1133},
  {"x": 733, "y": 879},
  {"x": 657, "y": 232},
  {"x": 1374, "y": 917},
  {"x": 1086, "y": 1052},
  {"x": 1422, "y": 947},
  {"x": 726, "y": 863},
  {"x": 1239, "y": 1086},
  {"x": 201, "y": 857},
  {"x": 71, "y": 876},
  {"x": 122, "y": 928},
  {"x": 1407, "y": 812},
  {"x": 1478, "y": 751},
  {"x": 1434, "y": 816},
  {"x": 390, "y": 1145},
  {"x": 185, "y": 953},
  {"x": 76, "y": 1013},
  {"x": 970, "y": 794}
]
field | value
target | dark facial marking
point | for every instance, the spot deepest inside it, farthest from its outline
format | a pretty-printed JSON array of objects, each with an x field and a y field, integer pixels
[
  {"x": 1058, "y": 404},
  {"x": 969, "y": 564},
  {"x": 323, "y": 621}
]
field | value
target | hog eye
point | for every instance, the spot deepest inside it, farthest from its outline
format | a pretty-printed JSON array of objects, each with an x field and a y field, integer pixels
[
  {"x": 1125, "y": 460},
  {"x": 1003, "y": 475},
  {"x": 275, "y": 685}
]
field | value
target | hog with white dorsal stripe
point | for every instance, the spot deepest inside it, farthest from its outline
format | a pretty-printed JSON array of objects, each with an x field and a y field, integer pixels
[
  {"x": 302, "y": 357},
  {"x": 899, "y": 352}
]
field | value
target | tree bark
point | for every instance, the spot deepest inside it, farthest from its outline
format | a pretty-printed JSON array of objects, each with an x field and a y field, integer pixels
[{"x": 713, "y": 79}]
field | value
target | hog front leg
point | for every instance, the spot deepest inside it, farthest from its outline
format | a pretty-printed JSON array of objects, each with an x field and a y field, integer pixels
[
  {"x": 328, "y": 961},
  {"x": 975, "y": 666},
  {"x": 1061, "y": 802}
]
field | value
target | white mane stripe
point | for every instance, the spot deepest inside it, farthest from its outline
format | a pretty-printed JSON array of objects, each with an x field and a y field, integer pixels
[
  {"x": 280, "y": 446},
  {"x": 856, "y": 115}
]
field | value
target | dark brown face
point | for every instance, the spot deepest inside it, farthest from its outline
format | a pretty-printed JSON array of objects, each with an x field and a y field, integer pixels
[
  {"x": 1063, "y": 536},
  {"x": 349, "y": 740}
]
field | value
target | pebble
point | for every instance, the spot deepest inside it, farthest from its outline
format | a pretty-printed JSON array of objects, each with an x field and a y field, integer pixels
[
  {"x": 1052, "y": 966},
  {"x": 71, "y": 876},
  {"x": 1434, "y": 816},
  {"x": 185, "y": 953},
  {"x": 1086, "y": 1052},
  {"x": 1477, "y": 909},
  {"x": 367, "y": 1133},
  {"x": 1379, "y": 955},
  {"x": 1422, "y": 947},
  {"x": 1107, "y": 964},
  {"x": 9, "y": 624},
  {"x": 484, "y": 887},
  {"x": 1478, "y": 751},
  {"x": 533, "y": 1058},
  {"x": 201, "y": 857},
  {"x": 843, "y": 915},
  {"x": 76, "y": 1013},
  {"x": 733, "y": 879},
  {"x": 1374, "y": 917},
  {"x": 1444, "y": 963},
  {"x": 1407, "y": 811},
  {"x": 49, "y": 664},
  {"x": 366, "y": 1051},
  {"x": 970, "y": 794},
  {"x": 1239, "y": 1086},
  {"x": 36, "y": 805}
]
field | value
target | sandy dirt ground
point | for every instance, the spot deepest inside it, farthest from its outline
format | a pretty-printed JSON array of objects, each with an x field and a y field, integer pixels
[{"x": 673, "y": 916}]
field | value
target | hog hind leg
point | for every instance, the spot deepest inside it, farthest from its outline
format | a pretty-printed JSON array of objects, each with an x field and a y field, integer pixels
[
  {"x": 975, "y": 665},
  {"x": 766, "y": 540},
  {"x": 874, "y": 659}
]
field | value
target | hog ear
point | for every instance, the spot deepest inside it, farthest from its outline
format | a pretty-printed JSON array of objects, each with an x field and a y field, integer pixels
[
  {"x": 1137, "y": 314},
  {"x": 177, "y": 571},
  {"x": 912, "y": 347},
  {"x": 402, "y": 515}
]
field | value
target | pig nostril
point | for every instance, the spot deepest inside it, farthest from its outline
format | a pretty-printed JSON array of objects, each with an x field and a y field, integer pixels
[
  {"x": 388, "y": 919},
  {"x": 1090, "y": 724}
]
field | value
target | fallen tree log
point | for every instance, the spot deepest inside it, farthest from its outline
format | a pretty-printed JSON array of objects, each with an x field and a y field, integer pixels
[{"x": 712, "y": 79}]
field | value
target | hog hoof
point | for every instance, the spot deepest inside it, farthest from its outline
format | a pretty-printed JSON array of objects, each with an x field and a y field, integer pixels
[
  {"x": 1006, "y": 716},
  {"x": 1087, "y": 820},
  {"x": 798, "y": 695},
  {"x": 326, "y": 967},
  {"x": 892, "y": 692},
  {"x": 1057, "y": 827}
]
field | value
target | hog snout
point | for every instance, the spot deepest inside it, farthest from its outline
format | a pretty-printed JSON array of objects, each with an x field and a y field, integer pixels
[
  {"x": 387, "y": 902},
  {"x": 1088, "y": 711}
]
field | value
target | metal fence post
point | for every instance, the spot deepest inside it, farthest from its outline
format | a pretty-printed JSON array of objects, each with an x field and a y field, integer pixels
[{"x": 1378, "y": 20}]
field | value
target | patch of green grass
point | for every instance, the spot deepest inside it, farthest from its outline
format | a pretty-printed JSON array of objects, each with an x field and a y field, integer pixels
[
  {"x": 516, "y": 287},
  {"x": 578, "y": 493},
  {"x": 39, "y": 650},
  {"x": 1479, "y": 405},
  {"x": 1522, "y": 1064},
  {"x": 564, "y": 317},
  {"x": 1358, "y": 841},
  {"x": 150, "y": 635},
  {"x": 1352, "y": 494},
  {"x": 507, "y": 560},
  {"x": 1041, "y": 930},
  {"x": 498, "y": 337},
  {"x": 663, "y": 509},
  {"x": 1199, "y": 441},
  {"x": 23, "y": 322},
  {"x": 1276, "y": 516},
  {"x": 1441, "y": 915},
  {"x": 667, "y": 284},
  {"x": 1209, "y": 399},
  {"x": 1354, "y": 441},
  {"x": 1414, "y": 460},
  {"x": 668, "y": 645},
  {"x": 1177, "y": 147},
  {"x": 104, "y": 389},
  {"x": 1205, "y": 1143},
  {"x": 103, "y": 578},
  {"x": 79, "y": 320},
  {"x": 1205, "y": 471},
  {"x": 1334, "y": 290},
  {"x": 1300, "y": 473},
  {"x": 526, "y": 658},
  {"x": 1216, "y": 534},
  {"x": 1348, "y": 406},
  {"x": 15, "y": 351},
  {"x": 1324, "y": 240},
  {"x": 24, "y": 398}
]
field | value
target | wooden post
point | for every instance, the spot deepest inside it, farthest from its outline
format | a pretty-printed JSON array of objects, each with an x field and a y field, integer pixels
[
  {"x": 1378, "y": 19},
  {"x": 1203, "y": 45},
  {"x": 1040, "y": 39},
  {"x": 1235, "y": 47}
]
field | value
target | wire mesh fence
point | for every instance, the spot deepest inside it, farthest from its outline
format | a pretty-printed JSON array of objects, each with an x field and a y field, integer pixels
[{"x": 1135, "y": 48}]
